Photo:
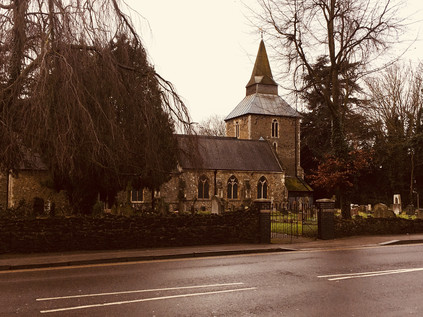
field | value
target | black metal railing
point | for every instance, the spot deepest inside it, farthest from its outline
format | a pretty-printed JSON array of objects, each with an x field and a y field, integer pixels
[{"x": 293, "y": 222}]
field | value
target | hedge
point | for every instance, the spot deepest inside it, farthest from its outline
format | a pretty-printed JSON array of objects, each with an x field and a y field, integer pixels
[{"x": 373, "y": 226}]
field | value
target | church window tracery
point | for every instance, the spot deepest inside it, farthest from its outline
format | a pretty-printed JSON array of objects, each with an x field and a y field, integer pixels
[
  {"x": 233, "y": 187},
  {"x": 262, "y": 188},
  {"x": 203, "y": 187}
]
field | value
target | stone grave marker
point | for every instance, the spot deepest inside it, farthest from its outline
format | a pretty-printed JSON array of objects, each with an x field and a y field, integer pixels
[{"x": 382, "y": 211}]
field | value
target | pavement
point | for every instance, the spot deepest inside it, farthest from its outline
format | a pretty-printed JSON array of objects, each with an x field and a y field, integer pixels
[{"x": 42, "y": 260}]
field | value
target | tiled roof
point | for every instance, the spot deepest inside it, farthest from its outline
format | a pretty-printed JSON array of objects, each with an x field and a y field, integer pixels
[
  {"x": 263, "y": 104},
  {"x": 223, "y": 153}
]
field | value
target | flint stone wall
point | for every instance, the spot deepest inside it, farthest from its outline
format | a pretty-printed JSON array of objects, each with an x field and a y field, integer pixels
[{"x": 118, "y": 232}]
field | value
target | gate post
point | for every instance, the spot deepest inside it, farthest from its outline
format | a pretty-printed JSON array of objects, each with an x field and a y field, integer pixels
[
  {"x": 325, "y": 219},
  {"x": 264, "y": 207}
]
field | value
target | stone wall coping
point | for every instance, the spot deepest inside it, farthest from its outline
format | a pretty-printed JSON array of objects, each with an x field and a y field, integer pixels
[
  {"x": 325, "y": 200},
  {"x": 265, "y": 211}
]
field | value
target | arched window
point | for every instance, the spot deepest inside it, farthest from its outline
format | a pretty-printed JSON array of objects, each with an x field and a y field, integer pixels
[
  {"x": 232, "y": 188},
  {"x": 275, "y": 146},
  {"x": 237, "y": 129},
  {"x": 203, "y": 187},
  {"x": 262, "y": 188},
  {"x": 275, "y": 129}
]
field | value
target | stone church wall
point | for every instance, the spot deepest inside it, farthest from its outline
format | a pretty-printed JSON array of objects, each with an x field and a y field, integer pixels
[
  {"x": 27, "y": 185},
  {"x": 243, "y": 127},
  {"x": 181, "y": 192},
  {"x": 261, "y": 126},
  {"x": 254, "y": 127}
]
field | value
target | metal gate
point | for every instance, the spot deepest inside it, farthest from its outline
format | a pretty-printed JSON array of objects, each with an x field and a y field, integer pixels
[{"x": 289, "y": 223}]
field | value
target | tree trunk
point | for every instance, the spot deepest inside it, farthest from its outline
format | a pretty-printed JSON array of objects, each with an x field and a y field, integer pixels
[
  {"x": 338, "y": 141},
  {"x": 345, "y": 206}
]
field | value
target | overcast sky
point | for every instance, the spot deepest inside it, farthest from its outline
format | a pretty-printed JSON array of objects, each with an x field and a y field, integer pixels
[{"x": 207, "y": 48}]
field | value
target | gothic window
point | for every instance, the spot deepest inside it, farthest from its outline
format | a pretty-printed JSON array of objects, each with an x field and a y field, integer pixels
[
  {"x": 203, "y": 187},
  {"x": 275, "y": 129},
  {"x": 262, "y": 188},
  {"x": 232, "y": 188},
  {"x": 137, "y": 196},
  {"x": 237, "y": 129}
]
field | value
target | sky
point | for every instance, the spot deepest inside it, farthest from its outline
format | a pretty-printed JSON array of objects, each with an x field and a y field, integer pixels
[{"x": 207, "y": 48}]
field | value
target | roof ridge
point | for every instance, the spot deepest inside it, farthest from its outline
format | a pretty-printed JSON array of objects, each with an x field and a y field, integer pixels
[{"x": 225, "y": 138}]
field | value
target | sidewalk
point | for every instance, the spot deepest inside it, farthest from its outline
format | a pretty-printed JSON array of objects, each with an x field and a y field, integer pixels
[{"x": 42, "y": 260}]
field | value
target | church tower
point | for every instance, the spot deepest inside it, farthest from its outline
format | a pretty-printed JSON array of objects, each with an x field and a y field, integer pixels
[{"x": 263, "y": 114}]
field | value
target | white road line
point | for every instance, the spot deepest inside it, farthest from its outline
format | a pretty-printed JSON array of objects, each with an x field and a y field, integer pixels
[
  {"x": 362, "y": 273},
  {"x": 145, "y": 300},
  {"x": 138, "y": 291},
  {"x": 337, "y": 277}
]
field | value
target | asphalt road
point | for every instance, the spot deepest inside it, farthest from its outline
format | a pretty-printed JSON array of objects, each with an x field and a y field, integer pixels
[{"x": 377, "y": 281}]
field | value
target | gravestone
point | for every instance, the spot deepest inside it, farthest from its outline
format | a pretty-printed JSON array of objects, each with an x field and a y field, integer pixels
[
  {"x": 396, "y": 206},
  {"x": 382, "y": 211},
  {"x": 410, "y": 210},
  {"x": 217, "y": 205}
]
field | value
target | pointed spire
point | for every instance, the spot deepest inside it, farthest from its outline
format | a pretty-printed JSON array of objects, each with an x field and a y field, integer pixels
[{"x": 261, "y": 79}]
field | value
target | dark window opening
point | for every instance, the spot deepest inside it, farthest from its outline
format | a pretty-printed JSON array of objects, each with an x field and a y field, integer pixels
[
  {"x": 275, "y": 128},
  {"x": 137, "y": 195}
]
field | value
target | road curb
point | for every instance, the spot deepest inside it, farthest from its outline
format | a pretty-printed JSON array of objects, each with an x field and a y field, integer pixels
[
  {"x": 139, "y": 258},
  {"x": 401, "y": 242}
]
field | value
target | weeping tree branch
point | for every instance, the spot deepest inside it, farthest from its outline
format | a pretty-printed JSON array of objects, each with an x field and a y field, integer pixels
[{"x": 76, "y": 86}]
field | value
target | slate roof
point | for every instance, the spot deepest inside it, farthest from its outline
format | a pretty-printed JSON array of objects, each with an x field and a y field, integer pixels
[
  {"x": 224, "y": 153},
  {"x": 263, "y": 104},
  {"x": 295, "y": 184}
]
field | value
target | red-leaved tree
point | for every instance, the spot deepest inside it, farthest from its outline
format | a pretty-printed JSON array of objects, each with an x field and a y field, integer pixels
[{"x": 336, "y": 175}]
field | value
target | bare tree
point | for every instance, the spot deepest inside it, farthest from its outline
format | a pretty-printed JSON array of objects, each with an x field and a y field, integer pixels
[
  {"x": 212, "y": 126},
  {"x": 77, "y": 88},
  {"x": 396, "y": 106},
  {"x": 346, "y": 34},
  {"x": 342, "y": 37}
]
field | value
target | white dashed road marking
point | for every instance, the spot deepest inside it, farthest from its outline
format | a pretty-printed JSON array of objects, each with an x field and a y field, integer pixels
[
  {"x": 138, "y": 291},
  {"x": 146, "y": 300},
  {"x": 337, "y": 277}
]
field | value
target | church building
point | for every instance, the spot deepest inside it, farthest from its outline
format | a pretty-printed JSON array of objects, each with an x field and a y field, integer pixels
[
  {"x": 258, "y": 160},
  {"x": 263, "y": 114}
]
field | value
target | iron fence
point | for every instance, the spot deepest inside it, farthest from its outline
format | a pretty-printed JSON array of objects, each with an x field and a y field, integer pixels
[{"x": 293, "y": 222}]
